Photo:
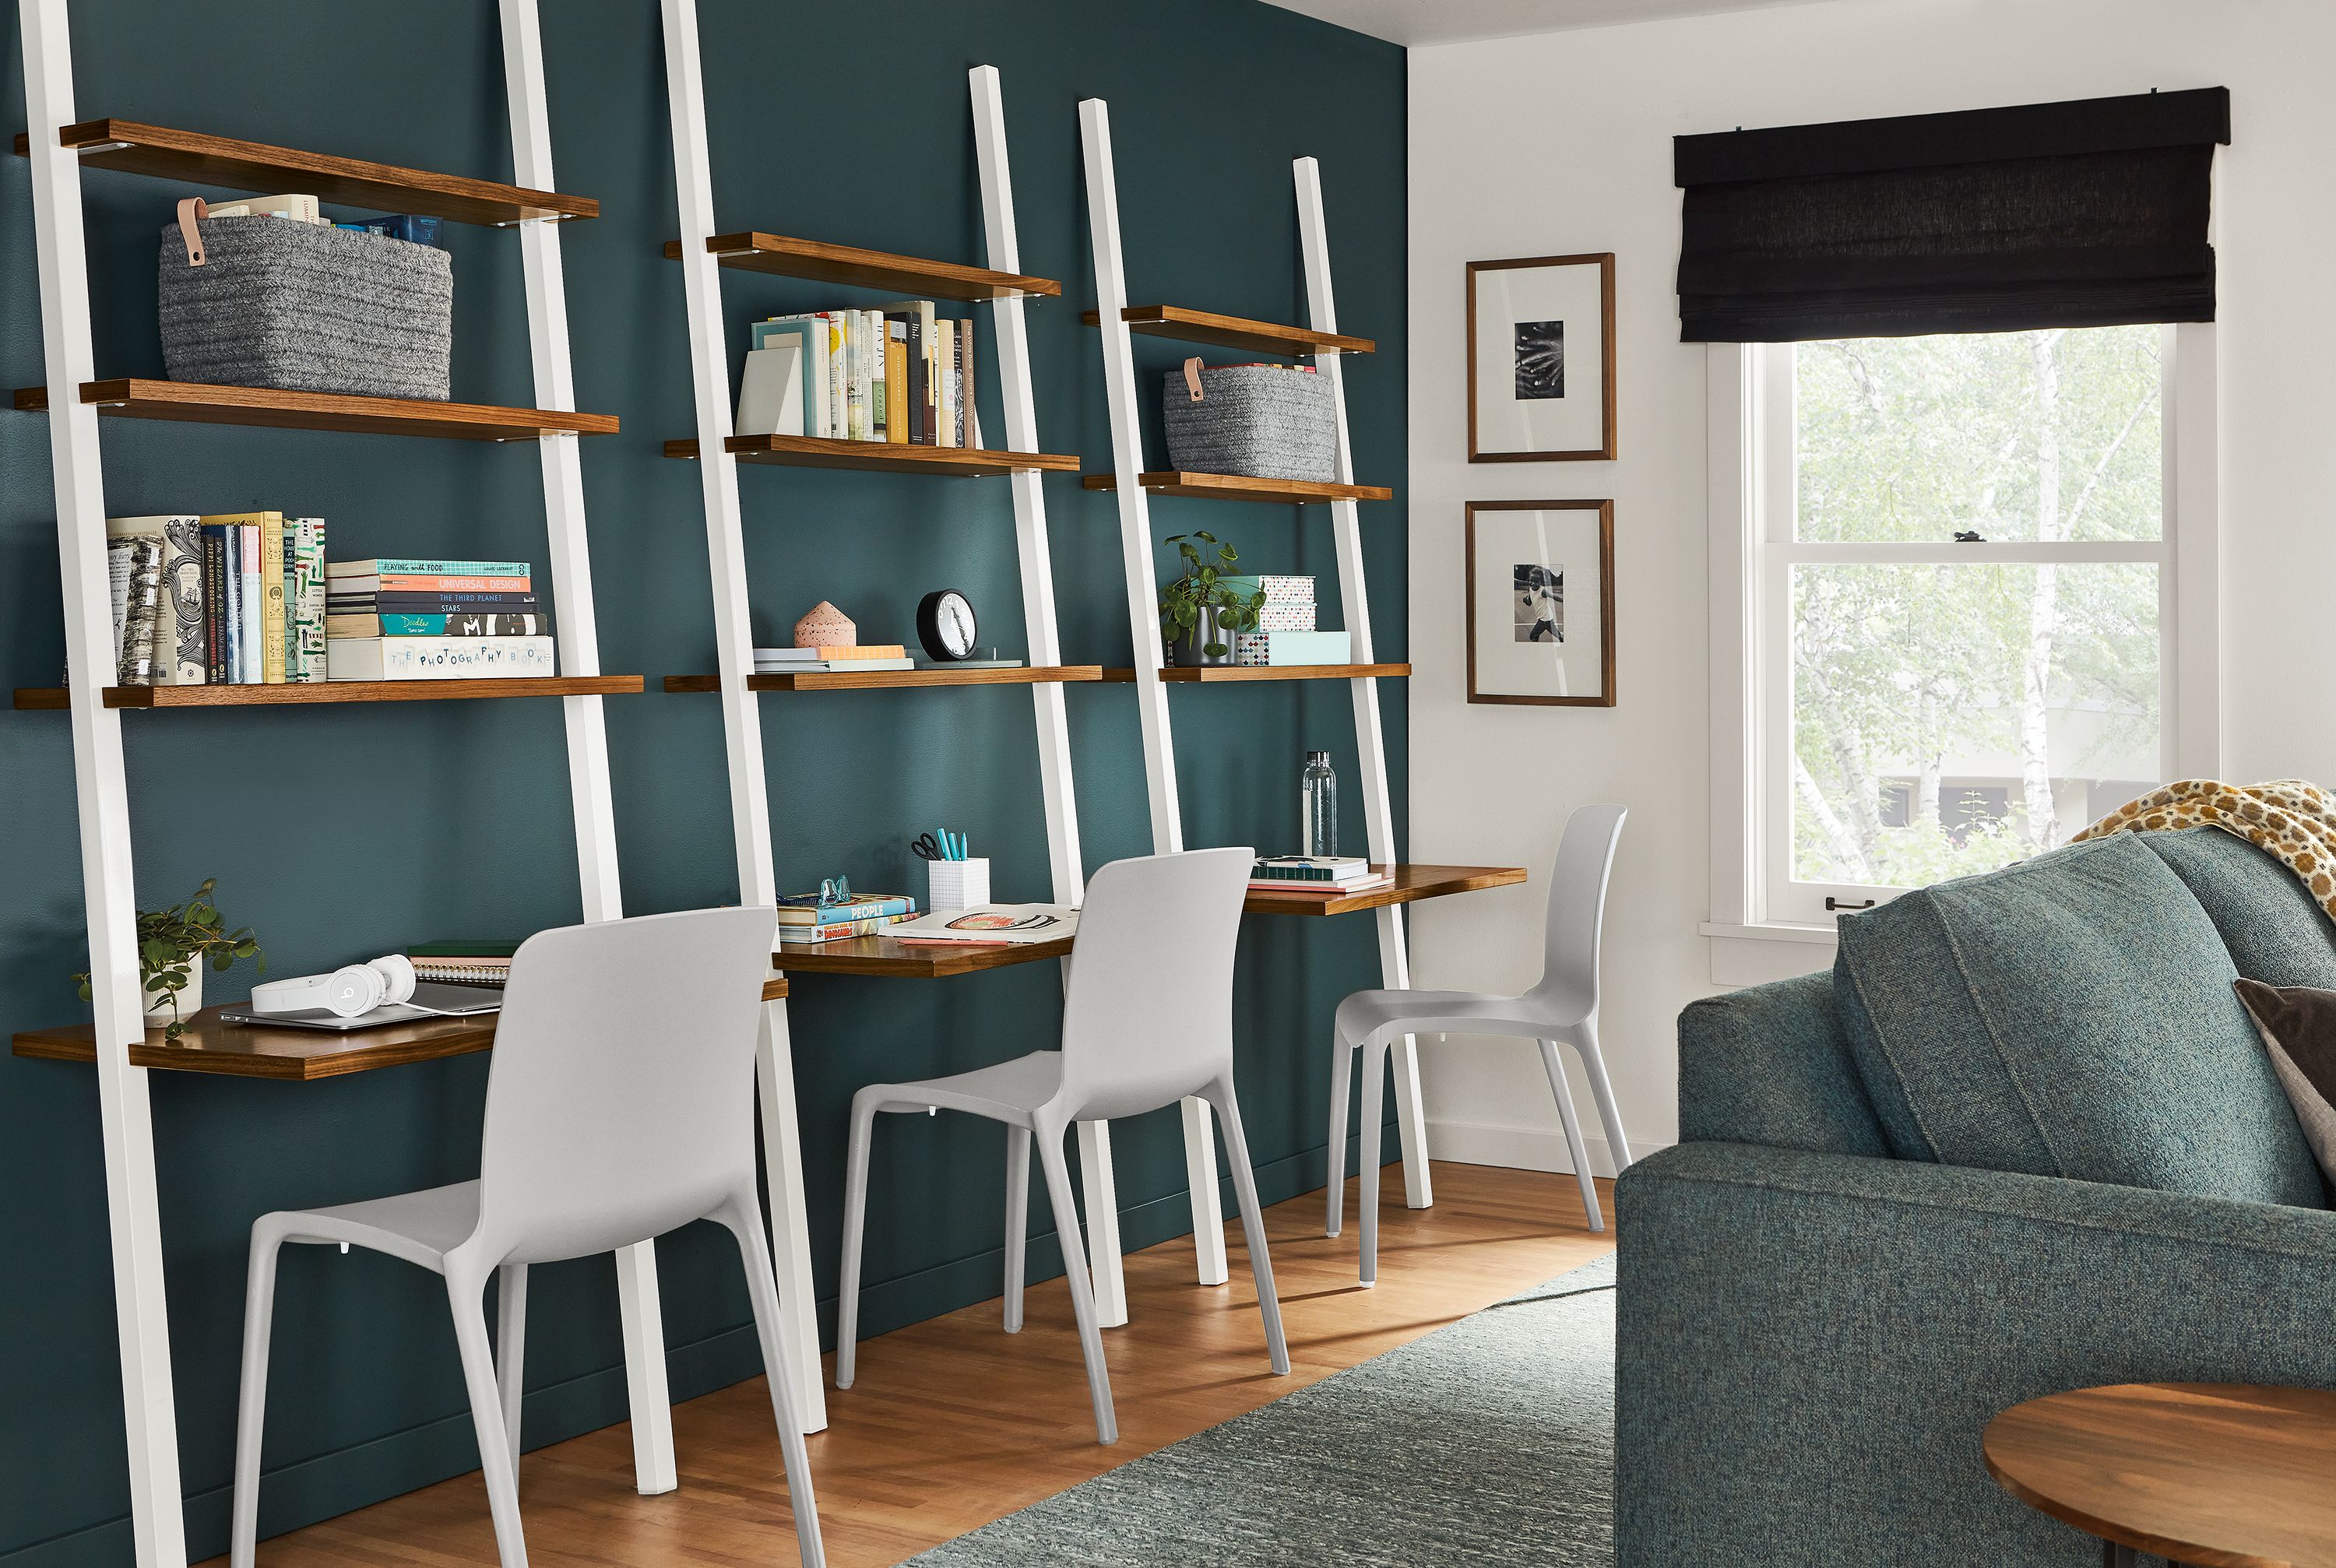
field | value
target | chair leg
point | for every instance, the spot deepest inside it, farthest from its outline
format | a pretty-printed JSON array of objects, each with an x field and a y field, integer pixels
[
  {"x": 1375, "y": 1065},
  {"x": 744, "y": 1218},
  {"x": 1594, "y": 1067},
  {"x": 1334, "y": 1195},
  {"x": 510, "y": 1348},
  {"x": 1252, "y": 1213},
  {"x": 251, "y": 1401},
  {"x": 1555, "y": 1067},
  {"x": 855, "y": 1215},
  {"x": 463, "y": 1295},
  {"x": 1018, "y": 1221},
  {"x": 1057, "y": 1167}
]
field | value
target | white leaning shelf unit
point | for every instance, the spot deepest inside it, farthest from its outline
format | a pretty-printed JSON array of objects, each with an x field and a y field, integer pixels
[
  {"x": 70, "y": 399},
  {"x": 1131, "y": 484},
  {"x": 704, "y": 250}
]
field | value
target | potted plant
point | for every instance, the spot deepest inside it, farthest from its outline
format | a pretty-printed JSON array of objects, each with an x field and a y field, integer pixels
[
  {"x": 1199, "y": 615},
  {"x": 173, "y": 944}
]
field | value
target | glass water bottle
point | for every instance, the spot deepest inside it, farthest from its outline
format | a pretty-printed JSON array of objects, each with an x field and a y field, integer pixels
[{"x": 1317, "y": 806}]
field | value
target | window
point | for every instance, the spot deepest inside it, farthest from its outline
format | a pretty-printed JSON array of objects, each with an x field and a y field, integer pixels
[{"x": 1956, "y": 563}]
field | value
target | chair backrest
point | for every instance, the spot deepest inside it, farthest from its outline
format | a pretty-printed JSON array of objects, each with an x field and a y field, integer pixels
[
  {"x": 621, "y": 1100},
  {"x": 1577, "y": 903},
  {"x": 1149, "y": 1015}
]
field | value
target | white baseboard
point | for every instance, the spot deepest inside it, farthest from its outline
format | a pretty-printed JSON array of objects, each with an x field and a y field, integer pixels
[{"x": 1522, "y": 1148}]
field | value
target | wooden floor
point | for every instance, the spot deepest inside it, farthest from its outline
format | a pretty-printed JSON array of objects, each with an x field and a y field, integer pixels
[{"x": 953, "y": 1423}]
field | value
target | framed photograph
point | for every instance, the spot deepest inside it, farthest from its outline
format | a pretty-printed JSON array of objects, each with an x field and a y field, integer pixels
[
  {"x": 1541, "y": 359},
  {"x": 1540, "y": 580}
]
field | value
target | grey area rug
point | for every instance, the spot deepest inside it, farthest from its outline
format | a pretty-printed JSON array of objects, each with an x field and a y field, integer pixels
[{"x": 1488, "y": 1442}]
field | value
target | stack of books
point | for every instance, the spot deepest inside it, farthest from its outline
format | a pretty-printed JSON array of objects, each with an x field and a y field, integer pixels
[
  {"x": 1317, "y": 876},
  {"x": 234, "y": 598},
  {"x": 414, "y": 618},
  {"x": 899, "y": 373},
  {"x": 806, "y": 920},
  {"x": 463, "y": 962},
  {"x": 858, "y": 656},
  {"x": 1285, "y": 633}
]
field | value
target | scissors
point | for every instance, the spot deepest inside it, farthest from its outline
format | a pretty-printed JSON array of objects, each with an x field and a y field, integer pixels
[{"x": 925, "y": 848}]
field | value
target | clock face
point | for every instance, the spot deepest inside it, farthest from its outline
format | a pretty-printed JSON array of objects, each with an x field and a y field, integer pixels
[{"x": 946, "y": 625}]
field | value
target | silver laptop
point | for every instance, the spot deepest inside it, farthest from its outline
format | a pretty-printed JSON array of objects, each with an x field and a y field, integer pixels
[{"x": 430, "y": 1001}]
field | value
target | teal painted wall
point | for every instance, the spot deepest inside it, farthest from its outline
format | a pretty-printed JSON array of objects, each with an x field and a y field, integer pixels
[{"x": 342, "y": 834}]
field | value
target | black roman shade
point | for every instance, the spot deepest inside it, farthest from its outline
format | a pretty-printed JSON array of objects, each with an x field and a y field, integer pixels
[{"x": 2091, "y": 213}]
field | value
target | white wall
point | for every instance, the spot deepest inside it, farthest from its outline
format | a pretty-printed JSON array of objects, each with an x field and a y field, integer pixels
[{"x": 1561, "y": 144}]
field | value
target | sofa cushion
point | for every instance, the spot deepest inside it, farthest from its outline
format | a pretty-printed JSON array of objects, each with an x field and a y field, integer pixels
[
  {"x": 2269, "y": 922},
  {"x": 2071, "y": 1016},
  {"x": 1769, "y": 1065},
  {"x": 2298, "y": 1025}
]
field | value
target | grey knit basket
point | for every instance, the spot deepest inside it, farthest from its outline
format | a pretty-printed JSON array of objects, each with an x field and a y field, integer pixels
[
  {"x": 1265, "y": 421},
  {"x": 307, "y": 308}
]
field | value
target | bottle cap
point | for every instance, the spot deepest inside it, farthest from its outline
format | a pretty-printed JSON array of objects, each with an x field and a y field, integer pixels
[{"x": 1315, "y": 756}]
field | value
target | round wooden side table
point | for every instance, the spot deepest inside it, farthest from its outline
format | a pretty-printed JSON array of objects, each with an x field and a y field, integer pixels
[{"x": 2216, "y": 1474}]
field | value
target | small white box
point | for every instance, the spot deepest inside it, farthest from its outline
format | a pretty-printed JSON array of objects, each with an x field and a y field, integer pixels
[{"x": 957, "y": 884}]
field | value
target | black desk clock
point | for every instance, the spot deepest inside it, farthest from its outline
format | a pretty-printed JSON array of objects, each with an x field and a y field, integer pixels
[{"x": 945, "y": 625}]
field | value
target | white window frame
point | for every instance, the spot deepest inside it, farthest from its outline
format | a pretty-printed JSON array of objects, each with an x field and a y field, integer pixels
[{"x": 1750, "y": 500}]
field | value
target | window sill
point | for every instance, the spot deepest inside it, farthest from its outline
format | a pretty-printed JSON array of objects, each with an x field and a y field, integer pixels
[
  {"x": 1772, "y": 932},
  {"x": 1754, "y": 955}
]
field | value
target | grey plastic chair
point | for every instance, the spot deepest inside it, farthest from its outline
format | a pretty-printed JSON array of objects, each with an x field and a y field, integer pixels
[
  {"x": 1147, "y": 1021},
  {"x": 619, "y": 1106},
  {"x": 1564, "y": 1007}
]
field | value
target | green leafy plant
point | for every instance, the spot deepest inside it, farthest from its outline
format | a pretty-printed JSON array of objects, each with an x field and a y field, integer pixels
[
  {"x": 173, "y": 942},
  {"x": 1202, "y": 588}
]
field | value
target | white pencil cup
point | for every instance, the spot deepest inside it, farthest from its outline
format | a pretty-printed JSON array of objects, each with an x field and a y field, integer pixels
[{"x": 959, "y": 884}]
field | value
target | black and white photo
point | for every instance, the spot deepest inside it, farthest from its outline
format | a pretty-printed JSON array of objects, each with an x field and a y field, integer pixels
[
  {"x": 1540, "y": 584},
  {"x": 1541, "y": 359}
]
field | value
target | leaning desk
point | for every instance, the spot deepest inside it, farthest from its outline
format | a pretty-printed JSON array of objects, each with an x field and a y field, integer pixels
[{"x": 882, "y": 956}]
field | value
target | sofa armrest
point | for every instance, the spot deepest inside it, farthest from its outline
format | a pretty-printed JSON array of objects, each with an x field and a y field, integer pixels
[{"x": 1809, "y": 1344}]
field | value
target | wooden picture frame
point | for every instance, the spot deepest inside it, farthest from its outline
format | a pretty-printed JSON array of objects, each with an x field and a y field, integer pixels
[
  {"x": 1517, "y": 429},
  {"x": 1511, "y": 555}
]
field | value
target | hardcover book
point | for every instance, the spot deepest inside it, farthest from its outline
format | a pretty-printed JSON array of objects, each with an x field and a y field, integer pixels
[
  {"x": 430, "y": 603},
  {"x": 251, "y": 609},
  {"x": 467, "y": 624},
  {"x": 182, "y": 655},
  {"x": 304, "y": 599},
  {"x": 425, "y": 566},
  {"x": 440, "y": 658}
]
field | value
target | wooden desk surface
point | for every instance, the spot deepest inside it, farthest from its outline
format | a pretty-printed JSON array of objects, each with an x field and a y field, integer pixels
[
  {"x": 1412, "y": 883},
  {"x": 210, "y": 1045},
  {"x": 885, "y": 956},
  {"x": 2220, "y": 1474}
]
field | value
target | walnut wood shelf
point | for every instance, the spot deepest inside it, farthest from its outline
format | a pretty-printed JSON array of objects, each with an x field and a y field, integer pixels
[
  {"x": 196, "y": 158},
  {"x": 1213, "y": 673},
  {"x": 199, "y": 403},
  {"x": 848, "y": 264},
  {"x": 1411, "y": 885},
  {"x": 291, "y": 695},
  {"x": 871, "y": 679},
  {"x": 1241, "y": 487},
  {"x": 1232, "y": 331},
  {"x": 881, "y": 456},
  {"x": 211, "y": 1045},
  {"x": 884, "y": 956}
]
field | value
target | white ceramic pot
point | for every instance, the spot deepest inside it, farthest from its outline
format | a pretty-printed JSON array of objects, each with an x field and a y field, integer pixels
[{"x": 191, "y": 999}]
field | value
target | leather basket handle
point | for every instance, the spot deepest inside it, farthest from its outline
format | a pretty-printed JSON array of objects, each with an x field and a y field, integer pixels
[
  {"x": 1192, "y": 377},
  {"x": 189, "y": 209}
]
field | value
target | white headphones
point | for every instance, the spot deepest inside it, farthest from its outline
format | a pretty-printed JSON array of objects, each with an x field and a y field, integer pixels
[{"x": 349, "y": 991}]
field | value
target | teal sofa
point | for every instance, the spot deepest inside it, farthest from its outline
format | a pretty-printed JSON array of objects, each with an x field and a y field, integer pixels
[{"x": 2014, "y": 1144}]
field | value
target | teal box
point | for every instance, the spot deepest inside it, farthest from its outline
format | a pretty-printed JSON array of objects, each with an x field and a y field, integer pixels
[{"x": 1293, "y": 647}]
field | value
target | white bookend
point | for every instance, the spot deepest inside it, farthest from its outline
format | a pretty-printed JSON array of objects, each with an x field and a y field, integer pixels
[
  {"x": 440, "y": 658},
  {"x": 771, "y": 392}
]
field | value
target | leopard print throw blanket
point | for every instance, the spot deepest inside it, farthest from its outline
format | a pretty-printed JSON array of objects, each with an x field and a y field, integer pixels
[{"x": 2288, "y": 819}]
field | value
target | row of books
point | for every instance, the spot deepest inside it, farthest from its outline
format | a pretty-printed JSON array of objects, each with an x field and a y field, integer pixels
[
  {"x": 233, "y": 598},
  {"x": 1323, "y": 876},
  {"x": 806, "y": 920},
  {"x": 428, "y": 618},
  {"x": 900, "y": 373}
]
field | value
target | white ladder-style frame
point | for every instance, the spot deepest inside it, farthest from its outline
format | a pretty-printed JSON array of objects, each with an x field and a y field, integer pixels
[
  {"x": 157, "y": 1520},
  {"x": 750, "y": 810},
  {"x": 1151, "y": 691}
]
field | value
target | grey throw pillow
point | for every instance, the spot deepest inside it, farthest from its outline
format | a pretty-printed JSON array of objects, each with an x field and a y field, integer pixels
[{"x": 2298, "y": 1025}]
